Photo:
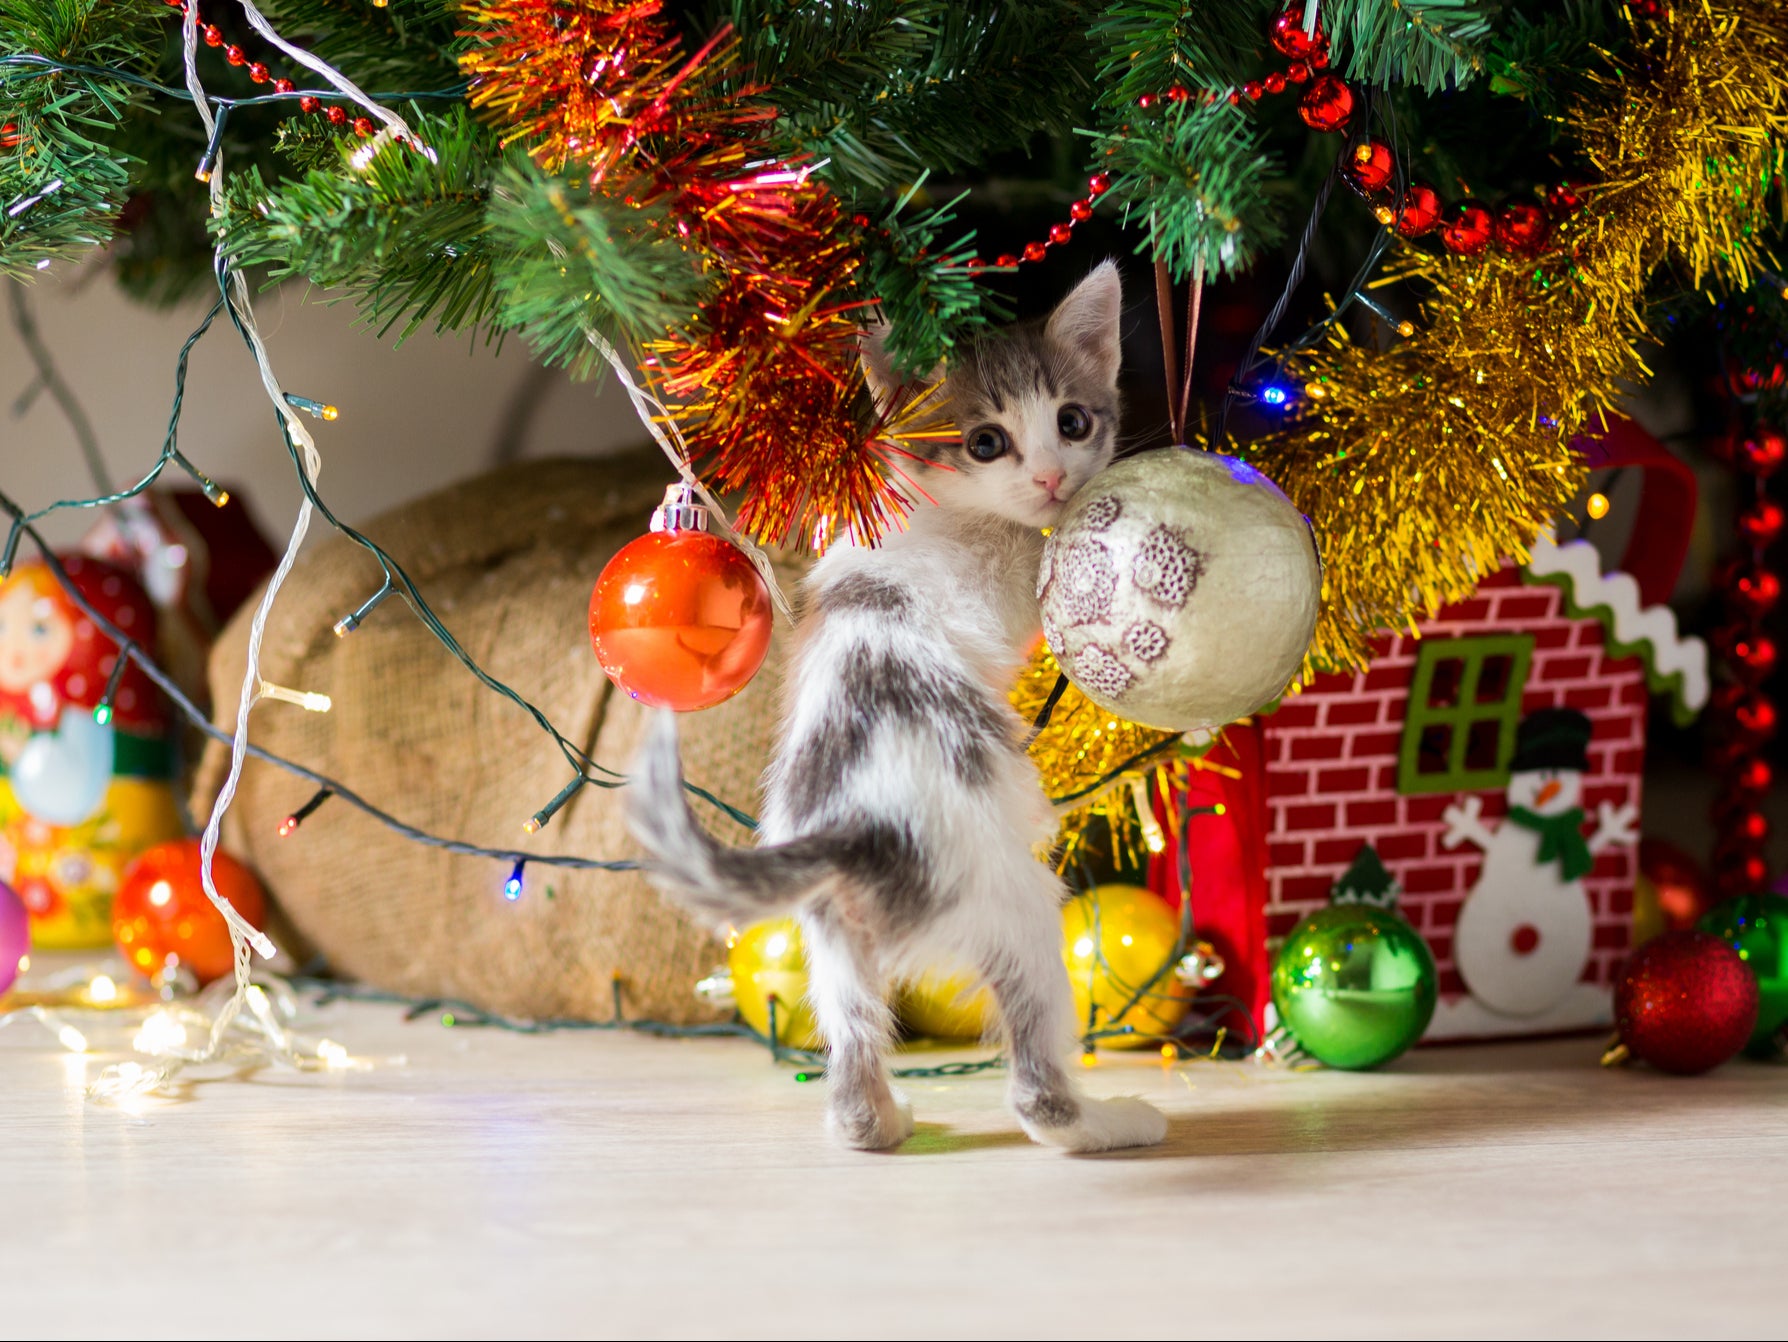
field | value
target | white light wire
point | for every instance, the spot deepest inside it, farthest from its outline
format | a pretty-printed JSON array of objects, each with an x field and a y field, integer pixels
[
  {"x": 644, "y": 405},
  {"x": 245, "y": 939}
]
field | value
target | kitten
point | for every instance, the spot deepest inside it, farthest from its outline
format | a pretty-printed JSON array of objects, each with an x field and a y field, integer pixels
[{"x": 903, "y": 819}]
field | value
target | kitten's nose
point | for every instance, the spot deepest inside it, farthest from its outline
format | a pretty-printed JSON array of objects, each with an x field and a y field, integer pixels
[{"x": 1051, "y": 480}]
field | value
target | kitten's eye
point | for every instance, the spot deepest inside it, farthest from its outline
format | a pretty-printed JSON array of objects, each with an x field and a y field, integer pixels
[
  {"x": 1074, "y": 422},
  {"x": 987, "y": 443}
]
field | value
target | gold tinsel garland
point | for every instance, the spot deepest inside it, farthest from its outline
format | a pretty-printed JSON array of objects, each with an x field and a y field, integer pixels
[{"x": 1425, "y": 466}]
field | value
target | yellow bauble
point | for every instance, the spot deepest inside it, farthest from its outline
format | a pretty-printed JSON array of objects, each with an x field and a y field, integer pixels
[
  {"x": 947, "y": 1006},
  {"x": 1115, "y": 939},
  {"x": 768, "y": 959}
]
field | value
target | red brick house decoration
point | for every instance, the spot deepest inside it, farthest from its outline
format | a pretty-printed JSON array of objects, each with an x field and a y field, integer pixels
[{"x": 1414, "y": 752}]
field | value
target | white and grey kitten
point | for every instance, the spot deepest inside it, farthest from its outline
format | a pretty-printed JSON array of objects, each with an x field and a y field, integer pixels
[{"x": 903, "y": 820}]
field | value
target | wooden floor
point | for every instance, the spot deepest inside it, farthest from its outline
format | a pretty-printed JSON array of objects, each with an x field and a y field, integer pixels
[{"x": 619, "y": 1186}]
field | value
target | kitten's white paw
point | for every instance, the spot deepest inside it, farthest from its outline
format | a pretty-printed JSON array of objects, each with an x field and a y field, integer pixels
[
  {"x": 872, "y": 1127},
  {"x": 1105, "y": 1125}
]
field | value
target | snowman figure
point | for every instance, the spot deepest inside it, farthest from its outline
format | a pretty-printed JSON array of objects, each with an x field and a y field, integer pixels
[{"x": 1525, "y": 930}]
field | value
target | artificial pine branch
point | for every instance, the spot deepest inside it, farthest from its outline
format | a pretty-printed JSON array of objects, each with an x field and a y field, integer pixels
[{"x": 1432, "y": 44}]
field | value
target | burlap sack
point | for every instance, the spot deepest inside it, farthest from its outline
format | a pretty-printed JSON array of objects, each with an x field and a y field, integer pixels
[{"x": 507, "y": 561}]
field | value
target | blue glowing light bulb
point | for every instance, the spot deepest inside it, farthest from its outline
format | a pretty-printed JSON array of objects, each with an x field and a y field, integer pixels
[
  {"x": 1273, "y": 395},
  {"x": 512, "y": 887}
]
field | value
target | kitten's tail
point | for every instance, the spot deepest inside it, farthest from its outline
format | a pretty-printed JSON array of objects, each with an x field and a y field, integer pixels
[{"x": 697, "y": 870}]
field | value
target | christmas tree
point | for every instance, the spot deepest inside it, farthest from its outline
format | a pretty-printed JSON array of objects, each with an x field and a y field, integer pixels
[{"x": 1485, "y": 216}]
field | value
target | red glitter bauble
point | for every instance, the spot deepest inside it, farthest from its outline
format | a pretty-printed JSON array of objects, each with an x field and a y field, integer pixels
[
  {"x": 680, "y": 619},
  {"x": 1289, "y": 35},
  {"x": 1419, "y": 210},
  {"x": 1763, "y": 454},
  {"x": 1522, "y": 228},
  {"x": 1469, "y": 231},
  {"x": 1684, "y": 1002},
  {"x": 1326, "y": 103},
  {"x": 1369, "y": 167},
  {"x": 1762, "y": 522}
]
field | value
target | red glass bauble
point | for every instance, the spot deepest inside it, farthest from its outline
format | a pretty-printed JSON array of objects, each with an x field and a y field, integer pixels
[
  {"x": 1290, "y": 38},
  {"x": 1683, "y": 891},
  {"x": 1418, "y": 211},
  {"x": 1469, "y": 231},
  {"x": 1684, "y": 1002},
  {"x": 1326, "y": 103},
  {"x": 1761, "y": 523},
  {"x": 680, "y": 619},
  {"x": 162, "y": 913},
  {"x": 1522, "y": 228},
  {"x": 1755, "y": 591},
  {"x": 1369, "y": 167},
  {"x": 1763, "y": 454}
]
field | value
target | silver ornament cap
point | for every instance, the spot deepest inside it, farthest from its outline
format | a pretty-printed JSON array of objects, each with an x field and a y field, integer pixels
[{"x": 1180, "y": 589}]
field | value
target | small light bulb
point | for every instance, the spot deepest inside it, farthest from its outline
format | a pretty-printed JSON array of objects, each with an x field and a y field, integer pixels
[
  {"x": 102, "y": 989},
  {"x": 1273, "y": 395},
  {"x": 102, "y": 714},
  {"x": 1170, "y": 1053},
  {"x": 1598, "y": 505},
  {"x": 1384, "y": 214},
  {"x": 1089, "y": 1059},
  {"x": 1406, "y": 328},
  {"x": 1315, "y": 390},
  {"x": 512, "y": 888},
  {"x": 72, "y": 1039}
]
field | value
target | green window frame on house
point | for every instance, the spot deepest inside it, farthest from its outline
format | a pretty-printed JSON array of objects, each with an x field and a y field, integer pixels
[{"x": 1464, "y": 704}]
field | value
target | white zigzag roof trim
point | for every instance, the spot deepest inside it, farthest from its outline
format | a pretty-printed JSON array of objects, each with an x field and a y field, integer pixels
[{"x": 1672, "y": 657}]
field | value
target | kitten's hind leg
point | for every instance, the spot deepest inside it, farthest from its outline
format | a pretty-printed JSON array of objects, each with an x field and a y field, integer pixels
[
  {"x": 1031, "y": 985},
  {"x": 863, "y": 1109}
]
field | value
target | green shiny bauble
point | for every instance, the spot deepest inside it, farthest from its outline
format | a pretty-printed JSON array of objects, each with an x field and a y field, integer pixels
[
  {"x": 1355, "y": 985},
  {"x": 1756, "y": 926}
]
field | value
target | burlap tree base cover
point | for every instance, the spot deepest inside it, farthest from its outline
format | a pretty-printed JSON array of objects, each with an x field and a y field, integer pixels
[{"x": 507, "y": 561}]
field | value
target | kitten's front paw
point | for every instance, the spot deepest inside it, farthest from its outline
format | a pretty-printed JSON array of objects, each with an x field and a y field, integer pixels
[
  {"x": 872, "y": 1126},
  {"x": 1106, "y": 1125}
]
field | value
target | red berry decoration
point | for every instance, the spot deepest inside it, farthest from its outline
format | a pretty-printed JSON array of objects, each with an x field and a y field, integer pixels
[
  {"x": 1369, "y": 167},
  {"x": 1326, "y": 103},
  {"x": 1761, "y": 523},
  {"x": 1290, "y": 38},
  {"x": 213, "y": 35},
  {"x": 258, "y": 72},
  {"x": 235, "y": 55},
  {"x": 680, "y": 618},
  {"x": 309, "y": 104},
  {"x": 1060, "y": 233},
  {"x": 338, "y": 116},
  {"x": 284, "y": 86},
  {"x": 1522, "y": 228},
  {"x": 1756, "y": 592},
  {"x": 1080, "y": 211},
  {"x": 1035, "y": 251},
  {"x": 1469, "y": 231},
  {"x": 1764, "y": 453},
  {"x": 1274, "y": 83},
  {"x": 1685, "y": 1002},
  {"x": 1562, "y": 200},
  {"x": 162, "y": 912},
  {"x": 1253, "y": 89},
  {"x": 1099, "y": 183},
  {"x": 1419, "y": 211}
]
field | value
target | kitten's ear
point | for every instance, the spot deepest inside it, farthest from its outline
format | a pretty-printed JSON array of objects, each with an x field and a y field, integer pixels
[
  {"x": 885, "y": 382},
  {"x": 1086, "y": 321}
]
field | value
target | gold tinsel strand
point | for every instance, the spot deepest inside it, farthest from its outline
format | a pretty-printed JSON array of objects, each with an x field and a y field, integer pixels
[
  {"x": 1425, "y": 466},
  {"x": 1087, "y": 757}
]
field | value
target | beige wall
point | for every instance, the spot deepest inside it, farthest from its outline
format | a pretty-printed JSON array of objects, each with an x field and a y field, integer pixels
[{"x": 412, "y": 418}]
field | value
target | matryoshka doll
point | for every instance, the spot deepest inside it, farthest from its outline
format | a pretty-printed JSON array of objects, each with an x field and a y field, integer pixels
[{"x": 86, "y": 781}]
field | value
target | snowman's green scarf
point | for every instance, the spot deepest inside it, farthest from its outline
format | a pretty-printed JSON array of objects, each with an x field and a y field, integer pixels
[{"x": 1561, "y": 838}]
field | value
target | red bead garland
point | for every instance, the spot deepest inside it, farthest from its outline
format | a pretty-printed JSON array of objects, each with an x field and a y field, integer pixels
[
  {"x": 260, "y": 74},
  {"x": 1744, "y": 718}
]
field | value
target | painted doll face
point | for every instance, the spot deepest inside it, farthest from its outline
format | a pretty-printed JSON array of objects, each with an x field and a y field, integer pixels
[{"x": 35, "y": 638}]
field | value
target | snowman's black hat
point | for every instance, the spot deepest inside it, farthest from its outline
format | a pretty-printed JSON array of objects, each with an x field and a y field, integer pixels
[{"x": 1552, "y": 738}]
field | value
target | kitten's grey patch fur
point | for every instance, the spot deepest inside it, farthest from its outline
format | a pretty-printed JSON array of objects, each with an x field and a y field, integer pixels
[{"x": 902, "y": 817}]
